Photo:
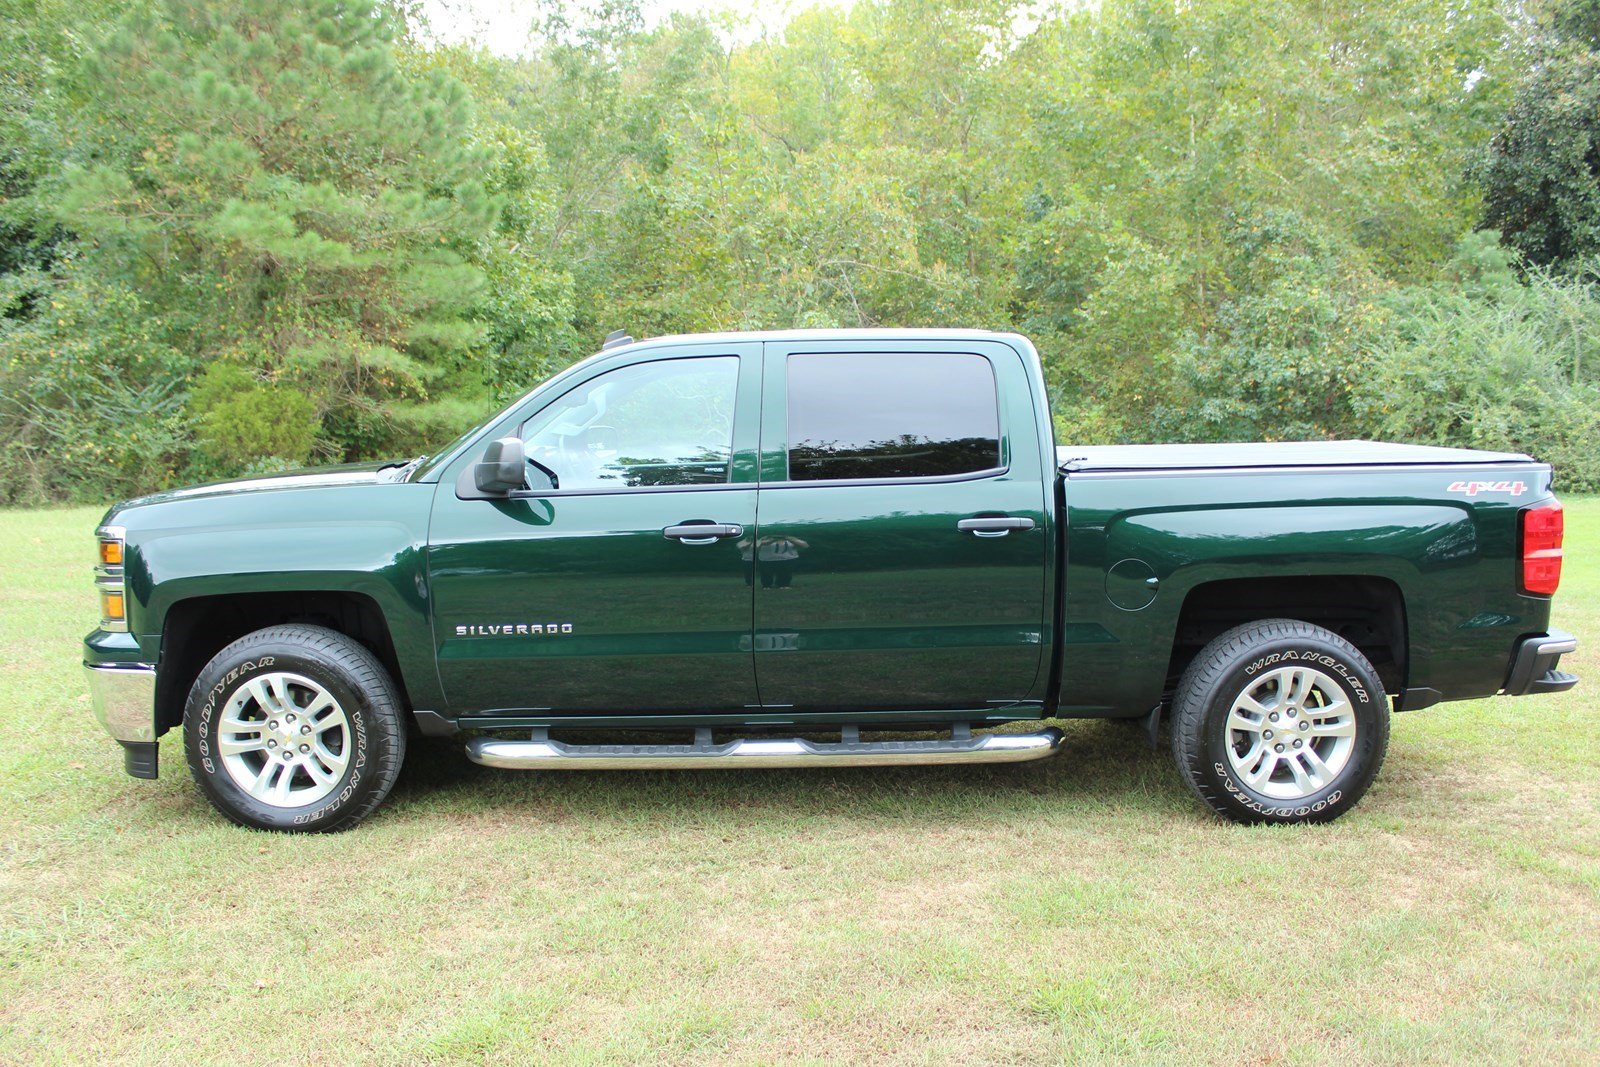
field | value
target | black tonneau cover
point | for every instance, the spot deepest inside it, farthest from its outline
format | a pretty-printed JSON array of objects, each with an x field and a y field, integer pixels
[{"x": 1079, "y": 459}]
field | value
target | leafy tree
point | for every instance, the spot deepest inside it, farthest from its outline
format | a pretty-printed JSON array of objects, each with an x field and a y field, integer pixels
[
  {"x": 1541, "y": 177},
  {"x": 90, "y": 393},
  {"x": 1155, "y": 126},
  {"x": 526, "y": 306},
  {"x": 249, "y": 233},
  {"x": 39, "y": 40},
  {"x": 1287, "y": 356}
]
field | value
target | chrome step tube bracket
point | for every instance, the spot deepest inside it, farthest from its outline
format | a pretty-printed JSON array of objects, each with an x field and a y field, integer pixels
[{"x": 759, "y": 752}]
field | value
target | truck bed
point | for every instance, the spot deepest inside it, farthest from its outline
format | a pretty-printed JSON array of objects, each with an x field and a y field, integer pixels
[{"x": 1087, "y": 458}]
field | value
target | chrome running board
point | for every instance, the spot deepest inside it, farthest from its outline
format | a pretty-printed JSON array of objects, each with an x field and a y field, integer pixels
[{"x": 544, "y": 754}]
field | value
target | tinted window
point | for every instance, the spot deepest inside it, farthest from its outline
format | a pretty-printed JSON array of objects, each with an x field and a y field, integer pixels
[
  {"x": 663, "y": 423},
  {"x": 891, "y": 416}
]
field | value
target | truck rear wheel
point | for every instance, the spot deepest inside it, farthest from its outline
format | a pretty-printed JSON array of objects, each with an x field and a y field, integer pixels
[
  {"x": 294, "y": 728},
  {"x": 1280, "y": 721}
]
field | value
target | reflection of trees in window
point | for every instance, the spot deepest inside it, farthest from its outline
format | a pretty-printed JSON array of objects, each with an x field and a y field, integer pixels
[
  {"x": 906, "y": 456},
  {"x": 694, "y": 406},
  {"x": 660, "y": 423},
  {"x": 704, "y": 466}
]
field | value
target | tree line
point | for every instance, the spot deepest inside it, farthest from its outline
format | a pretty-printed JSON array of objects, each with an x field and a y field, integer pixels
[{"x": 244, "y": 235}]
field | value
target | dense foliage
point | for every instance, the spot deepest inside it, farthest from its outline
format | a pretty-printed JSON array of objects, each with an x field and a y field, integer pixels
[{"x": 250, "y": 233}]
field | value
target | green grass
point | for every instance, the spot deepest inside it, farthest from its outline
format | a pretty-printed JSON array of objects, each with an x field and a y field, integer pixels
[{"x": 1083, "y": 909}]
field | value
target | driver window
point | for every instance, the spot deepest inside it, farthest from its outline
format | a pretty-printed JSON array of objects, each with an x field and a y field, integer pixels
[{"x": 664, "y": 423}]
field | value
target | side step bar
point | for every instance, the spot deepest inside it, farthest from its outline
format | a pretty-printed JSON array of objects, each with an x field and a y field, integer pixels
[{"x": 546, "y": 755}]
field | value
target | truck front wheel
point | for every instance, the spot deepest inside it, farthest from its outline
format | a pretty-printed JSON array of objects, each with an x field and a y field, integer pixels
[
  {"x": 294, "y": 728},
  {"x": 1280, "y": 721}
]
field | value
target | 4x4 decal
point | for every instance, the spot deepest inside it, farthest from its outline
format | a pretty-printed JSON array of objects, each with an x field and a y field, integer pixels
[{"x": 1474, "y": 488}]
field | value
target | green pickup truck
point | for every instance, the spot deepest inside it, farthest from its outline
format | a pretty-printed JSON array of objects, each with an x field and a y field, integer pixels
[{"x": 774, "y": 549}]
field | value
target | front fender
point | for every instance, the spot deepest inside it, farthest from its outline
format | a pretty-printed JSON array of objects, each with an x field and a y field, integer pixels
[{"x": 368, "y": 540}]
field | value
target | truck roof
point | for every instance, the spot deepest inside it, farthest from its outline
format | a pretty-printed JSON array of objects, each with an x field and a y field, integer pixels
[
  {"x": 864, "y": 333},
  {"x": 1077, "y": 459}
]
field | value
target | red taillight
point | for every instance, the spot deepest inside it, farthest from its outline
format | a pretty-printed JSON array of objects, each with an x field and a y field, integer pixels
[{"x": 1541, "y": 549}]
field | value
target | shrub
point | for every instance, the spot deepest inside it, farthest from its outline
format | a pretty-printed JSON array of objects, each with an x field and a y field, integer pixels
[
  {"x": 1499, "y": 366},
  {"x": 242, "y": 420},
  {"x": 91, "y": 401},
  {"x": 1288, "y": 352}
]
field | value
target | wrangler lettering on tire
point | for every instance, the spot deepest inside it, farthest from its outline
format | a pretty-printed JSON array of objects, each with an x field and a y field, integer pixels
[{"x": 1279, "y": 721}]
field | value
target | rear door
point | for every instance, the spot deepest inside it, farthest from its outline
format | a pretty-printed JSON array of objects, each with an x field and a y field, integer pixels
[{"x": 901, "y": 556}]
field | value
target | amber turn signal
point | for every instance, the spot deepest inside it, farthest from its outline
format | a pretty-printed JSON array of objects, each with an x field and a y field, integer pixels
[
  {"x": 111, "y": 609},
  {"x": 111, "y": 553}
]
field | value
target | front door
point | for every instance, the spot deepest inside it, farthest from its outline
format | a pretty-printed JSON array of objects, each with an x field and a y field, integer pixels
[
  {"x": 901, "y": 557},
  {"x": 601, "y": 596}
]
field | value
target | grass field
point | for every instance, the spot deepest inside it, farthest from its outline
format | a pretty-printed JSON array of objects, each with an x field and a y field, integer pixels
[{"x": 1084, "y": 909}]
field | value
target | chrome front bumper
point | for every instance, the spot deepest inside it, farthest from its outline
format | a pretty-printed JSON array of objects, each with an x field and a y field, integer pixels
[{"x": 124, "y": 698}]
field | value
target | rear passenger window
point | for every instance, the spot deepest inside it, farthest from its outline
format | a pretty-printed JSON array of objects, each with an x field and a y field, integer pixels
[{"x": 891, "y": 415}]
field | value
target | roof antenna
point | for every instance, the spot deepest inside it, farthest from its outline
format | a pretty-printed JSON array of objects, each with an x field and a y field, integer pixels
[{"x": 615, "y": 338}]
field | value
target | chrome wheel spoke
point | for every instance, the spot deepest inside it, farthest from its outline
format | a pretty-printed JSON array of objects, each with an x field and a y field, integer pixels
[
  {"x": 264, "y": 699},
  {"x": 280, "y": 792},
  {"x": 1297, "y": 771},
  {"x": 262, "y": 783},
  {"x": 1297, "y": 685},
  {"x": 1248, "y": 703},
  {"x": 1319, "y": 771},
  {"x": 1263, "y": 773},
  {"x": 1253, "y": 754},
  {"x": 234, "y": 745},
  {"x": 280, "y": 692},
  {"x": 1341, "y": 726},
  {"x": 1238, "y": 720},
  {"x": 319, "y": 773},
  {"x": 334, "y": 761}
]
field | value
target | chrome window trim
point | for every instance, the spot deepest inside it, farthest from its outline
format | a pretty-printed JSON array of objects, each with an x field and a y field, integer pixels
[{"x": 925, "y": 479}]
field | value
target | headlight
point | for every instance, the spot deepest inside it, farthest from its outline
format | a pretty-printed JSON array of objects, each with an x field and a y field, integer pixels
[{"x": 108, "y": 578}]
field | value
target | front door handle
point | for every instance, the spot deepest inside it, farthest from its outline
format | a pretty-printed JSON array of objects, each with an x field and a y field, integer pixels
[
  {"x": 703, "y": 533},
  {"x": 993, "y": 526}
]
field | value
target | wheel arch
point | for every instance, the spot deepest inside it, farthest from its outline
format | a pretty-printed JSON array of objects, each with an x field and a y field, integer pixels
[
  {"x": 1367, "y": 610},
  {"x": 195, "y": 629}
]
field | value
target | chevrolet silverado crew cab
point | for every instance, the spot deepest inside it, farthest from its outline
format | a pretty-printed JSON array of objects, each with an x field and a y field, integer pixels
[{"x": 772, "y": 550}]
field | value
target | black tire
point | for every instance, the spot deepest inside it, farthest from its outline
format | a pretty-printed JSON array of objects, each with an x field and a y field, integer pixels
[
  {"x": 1246, "y": 657},
  {"x": 372, "y": 742}
]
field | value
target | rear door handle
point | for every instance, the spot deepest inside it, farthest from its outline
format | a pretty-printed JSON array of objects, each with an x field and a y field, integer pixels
[
  {"x": 994, "y": 526},
  {"x": 703, "y": 533}
]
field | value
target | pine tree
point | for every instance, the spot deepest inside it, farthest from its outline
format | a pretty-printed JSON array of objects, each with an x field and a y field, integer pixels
[{"x": 289, "y": 201}]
